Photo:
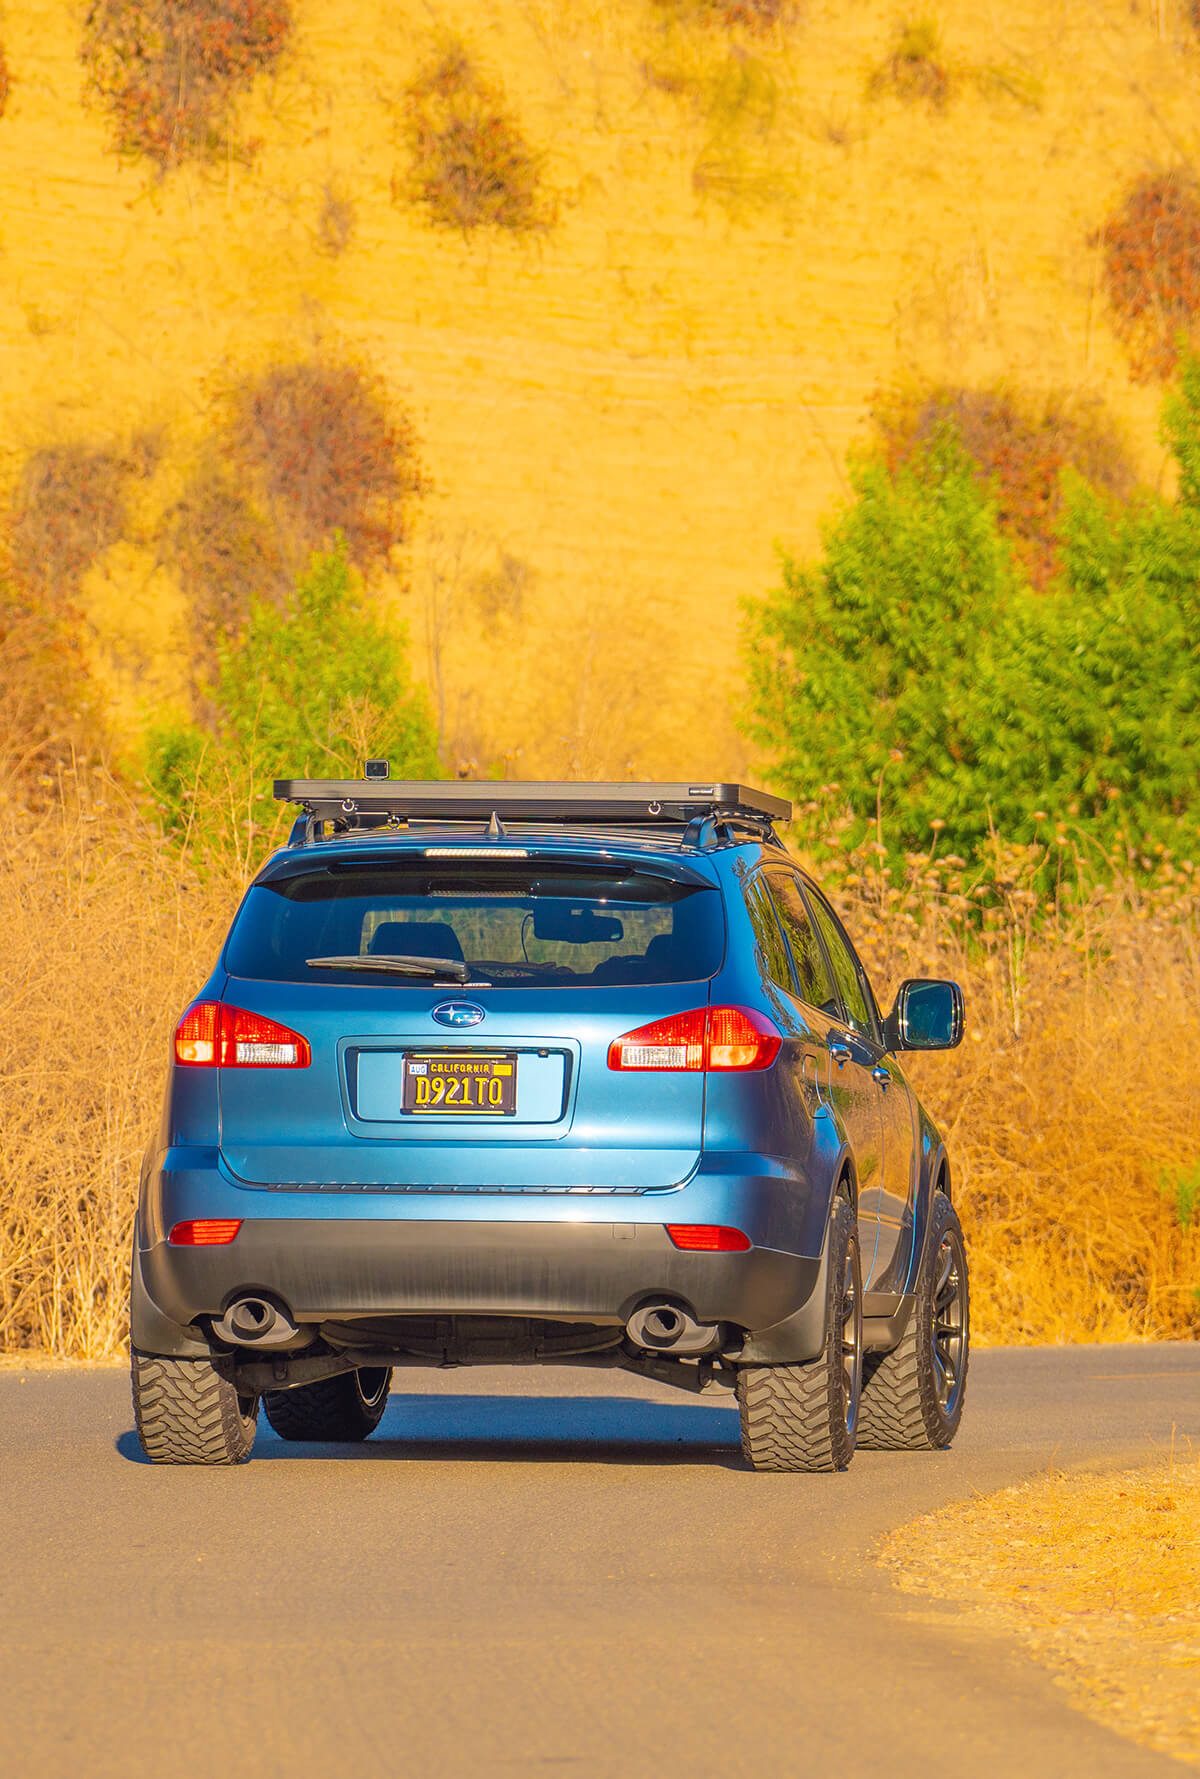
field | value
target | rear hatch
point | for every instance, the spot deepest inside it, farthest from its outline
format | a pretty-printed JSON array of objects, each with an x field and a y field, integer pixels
[{"x": 459, "y": 1004}]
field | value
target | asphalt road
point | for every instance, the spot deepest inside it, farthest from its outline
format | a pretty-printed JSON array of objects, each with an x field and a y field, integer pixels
[{"x": 529, "y": 1572}]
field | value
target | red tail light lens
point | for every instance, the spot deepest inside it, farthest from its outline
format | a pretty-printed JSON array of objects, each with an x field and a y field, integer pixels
[
  {"x": 675, "y": 1043},
  {"x": 196, "y": 1035},
  {"x": 205, "y": 1232},
  {"x": 710, "y": 1038},
  {"x": 708, "y": 1238},
  {"x": 739, "y": 1038},
  {"x": 248, "y": 1041},
  {"x": 211, "y": 1033}
]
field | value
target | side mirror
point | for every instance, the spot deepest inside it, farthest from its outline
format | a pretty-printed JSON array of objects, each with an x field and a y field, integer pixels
[{"x": 928, "y": 1015}]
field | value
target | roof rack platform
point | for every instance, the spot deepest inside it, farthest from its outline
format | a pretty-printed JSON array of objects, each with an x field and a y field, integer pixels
[{"x": 351, "y": 802}]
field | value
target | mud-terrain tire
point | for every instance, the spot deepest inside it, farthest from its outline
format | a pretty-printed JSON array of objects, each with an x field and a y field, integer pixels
[
  {"x": 913, "y": 1396},
  {"x": 187, "y": 1413},
  {"x": 349, "y": 1406},
  {"x": 805, "y": 1417}
]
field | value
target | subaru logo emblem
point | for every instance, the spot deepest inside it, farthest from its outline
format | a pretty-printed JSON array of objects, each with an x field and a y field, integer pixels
[{"x": 458, "y": 1013}]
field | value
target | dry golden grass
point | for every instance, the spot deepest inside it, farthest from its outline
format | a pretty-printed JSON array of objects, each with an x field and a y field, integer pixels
[
  {"x": 1096, "y": 1575},
  {"x": 1073, "y": 1104},
  {"x": 1078, "y": 1083},
  {"x": 107, "y": 935},
  {"x": 638, "y": 404}
]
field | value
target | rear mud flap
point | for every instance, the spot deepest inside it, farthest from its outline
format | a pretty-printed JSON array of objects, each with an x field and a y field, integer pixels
[
  {"x": 152, "y": 1332},
  {"x": 797, "y": 1337}
]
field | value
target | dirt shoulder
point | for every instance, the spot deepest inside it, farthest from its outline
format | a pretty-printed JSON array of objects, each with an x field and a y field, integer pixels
[
  {"x": 52, "y": 1362},
  {"x": 1096, "y": 1575}
]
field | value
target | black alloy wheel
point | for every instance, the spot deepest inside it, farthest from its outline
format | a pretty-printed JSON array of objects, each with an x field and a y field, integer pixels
[{"x": 948, "y": 1324}]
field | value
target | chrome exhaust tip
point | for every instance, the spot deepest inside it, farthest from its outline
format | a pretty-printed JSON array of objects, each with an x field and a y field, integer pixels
[
  {"x": 256, "y": 1322},
  {"x": 665, "y": 1328}
]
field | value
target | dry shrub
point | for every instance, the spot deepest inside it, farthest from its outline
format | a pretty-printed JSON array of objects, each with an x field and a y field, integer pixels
[
  {"x": 336, "y": 221},
  {"x": 754, "y": 16},
  {"x": 223, "y": 552},
  {"x": 69, "y": 506},
  {"x": 5, "y": 81},
  {"x": 1151, "y": 249},
  {"x": 1061, "y": 1120},
  {"x": 1021, "y": 445},
  {"x": 914, "y": 70},
  {"x": 751, "y": 15},
  {"x": 300, "y": 453},
  {"x": 470, "y": 166},
  {"x": 319, "y": 441},
  {"x": 49, "y": 711},
  {"x": 169, "y": 70},
  {"x": 108, "y": 933}
]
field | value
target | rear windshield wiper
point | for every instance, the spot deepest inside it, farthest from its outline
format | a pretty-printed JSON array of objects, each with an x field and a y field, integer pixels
[{"x": 387, "y": 963}]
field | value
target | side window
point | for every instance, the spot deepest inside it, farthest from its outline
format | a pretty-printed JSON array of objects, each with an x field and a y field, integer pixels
[
  {"x": 846, "y": 970},
  {"x": 771, "y": 948},
  {"x": 812, "y": 971}
]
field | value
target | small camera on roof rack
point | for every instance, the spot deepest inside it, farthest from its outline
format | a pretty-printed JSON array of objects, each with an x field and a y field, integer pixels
[{"x": 377, "y": 769}]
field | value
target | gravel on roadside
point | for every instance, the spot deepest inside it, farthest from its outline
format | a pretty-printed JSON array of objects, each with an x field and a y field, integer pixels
[{"x": 1097, "y": 1575}]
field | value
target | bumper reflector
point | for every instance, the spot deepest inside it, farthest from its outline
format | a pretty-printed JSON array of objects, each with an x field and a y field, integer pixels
[
  {"x": 708, "y": 1238},
  {"x": 205, "y": 1232}
]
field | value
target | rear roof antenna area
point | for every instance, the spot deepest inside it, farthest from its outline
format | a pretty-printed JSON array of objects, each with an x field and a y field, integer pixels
[{"x": 495, "y": 828}]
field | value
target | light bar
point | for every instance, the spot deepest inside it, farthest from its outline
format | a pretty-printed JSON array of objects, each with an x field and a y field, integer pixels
[{"x": 476, "y": 852}]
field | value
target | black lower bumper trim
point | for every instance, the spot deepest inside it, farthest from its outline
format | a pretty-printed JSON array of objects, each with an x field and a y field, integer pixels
[{"x": 597, "y": 1272}]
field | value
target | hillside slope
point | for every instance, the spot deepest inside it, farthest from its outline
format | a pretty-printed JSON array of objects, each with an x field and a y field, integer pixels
[{"x": 620, "y": 415}]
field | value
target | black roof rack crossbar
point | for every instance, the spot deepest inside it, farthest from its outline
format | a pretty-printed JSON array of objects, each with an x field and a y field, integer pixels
[{"x": 700, "y": 807}]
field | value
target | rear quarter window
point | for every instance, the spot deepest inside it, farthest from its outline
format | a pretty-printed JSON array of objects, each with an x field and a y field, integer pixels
[{"x": 515, "y": 924}]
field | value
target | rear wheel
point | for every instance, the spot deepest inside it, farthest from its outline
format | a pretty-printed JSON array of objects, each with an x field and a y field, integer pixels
[
  {"x": 347, "y": 1407},
  {"x": 805, "y": 1417},
  {"x": 187, "y": 1413},
  {"x": 913, "y": 1396}
]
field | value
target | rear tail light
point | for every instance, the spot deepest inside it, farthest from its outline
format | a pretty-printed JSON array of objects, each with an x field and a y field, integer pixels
[
  {"x": 708, "y": 1238},
  {"x": 676, "y": 1043},
  {"x": 211, "y": 1034},
  {"x": 205, "y": 1232},
  {"x": 710, "y": 1038}
]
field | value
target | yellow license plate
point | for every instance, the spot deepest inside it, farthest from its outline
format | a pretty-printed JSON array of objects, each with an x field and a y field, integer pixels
[{"x": 460, "y": 1085}]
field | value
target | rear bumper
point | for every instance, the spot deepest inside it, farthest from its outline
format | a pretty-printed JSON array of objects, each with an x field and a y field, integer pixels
[
  {"x": 335, "y": 1257},
  {"x": 593, "y": 1272}
]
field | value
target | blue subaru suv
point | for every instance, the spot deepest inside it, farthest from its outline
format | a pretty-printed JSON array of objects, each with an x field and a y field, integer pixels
[{"x": 541, "y": 1073}]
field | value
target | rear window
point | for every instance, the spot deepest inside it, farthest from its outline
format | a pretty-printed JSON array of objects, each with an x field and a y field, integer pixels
[{"x": 516, "y": 924}]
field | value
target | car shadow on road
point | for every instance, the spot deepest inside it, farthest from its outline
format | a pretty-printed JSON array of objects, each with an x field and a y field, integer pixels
[{"x": 522, "y": 1430}]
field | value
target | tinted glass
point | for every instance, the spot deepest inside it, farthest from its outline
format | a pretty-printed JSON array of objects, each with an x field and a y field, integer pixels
[
  {"x": 812, "y": 971},
  {"x": 931, "y": 1015},
  {"x": 845, "y": 970},
  {"x": 514, "y": 923},
  {"x": 772, "y": 953}
]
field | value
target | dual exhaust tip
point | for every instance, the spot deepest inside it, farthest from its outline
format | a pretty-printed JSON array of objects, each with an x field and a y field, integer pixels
[{"x": 256, "y": 1322}]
